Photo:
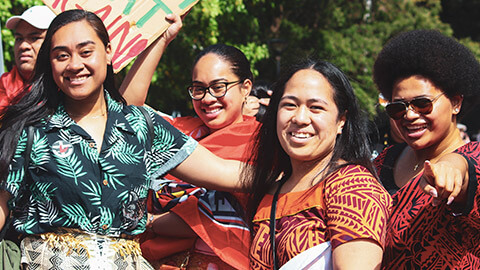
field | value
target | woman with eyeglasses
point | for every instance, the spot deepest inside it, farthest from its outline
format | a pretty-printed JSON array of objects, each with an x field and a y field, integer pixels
[
  {"x": 79, "y": 195},
  {"x": 209, "y": 224},
  {"x": 431, "y": 81}
]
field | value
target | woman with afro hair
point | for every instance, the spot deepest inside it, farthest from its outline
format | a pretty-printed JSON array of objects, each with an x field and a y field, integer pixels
[{"x": 431, "y": 81}]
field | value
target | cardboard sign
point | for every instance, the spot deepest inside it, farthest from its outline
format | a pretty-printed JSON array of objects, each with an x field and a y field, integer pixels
[{"x": 131, "y": 24}]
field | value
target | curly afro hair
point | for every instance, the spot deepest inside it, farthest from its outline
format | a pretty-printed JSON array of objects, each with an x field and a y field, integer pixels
[{"x": 448, "y": 64}]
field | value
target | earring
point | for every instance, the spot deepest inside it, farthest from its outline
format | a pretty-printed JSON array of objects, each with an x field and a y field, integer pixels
[{"x": 456, "y": 110}]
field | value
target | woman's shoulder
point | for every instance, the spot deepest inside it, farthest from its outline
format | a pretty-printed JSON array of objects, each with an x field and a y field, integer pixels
[
  {"x": 352, "y": 177},
  {"x": 471, "y": 148}
]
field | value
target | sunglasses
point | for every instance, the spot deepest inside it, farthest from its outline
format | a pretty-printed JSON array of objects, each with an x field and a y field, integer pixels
[{"x": 423, "y": 105}]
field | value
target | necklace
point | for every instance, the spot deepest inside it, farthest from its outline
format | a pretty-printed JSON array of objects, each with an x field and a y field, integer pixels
[
  {"x": 445, "y": 151},
  {"x": 416, "y": 166},
  {"x": 87, "y": 116}
]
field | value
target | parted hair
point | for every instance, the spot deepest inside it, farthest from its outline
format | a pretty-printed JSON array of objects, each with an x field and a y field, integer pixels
[
  {"x": 44, "y": 96},
  {"x": 269, "y": 158},
  {"x": 240, "y": 65}
]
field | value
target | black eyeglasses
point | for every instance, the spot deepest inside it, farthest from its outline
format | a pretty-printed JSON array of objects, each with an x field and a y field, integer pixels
[
  {"x": 397, "y": 109},
  {"x": 216, "y": 90}
]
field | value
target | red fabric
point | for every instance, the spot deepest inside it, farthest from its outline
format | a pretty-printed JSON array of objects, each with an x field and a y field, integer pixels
[
  {"x": 11, "y": 84},
  {"x": 422, "y": 236},
  {"x": 230, "y": 244},
  {"x": 192, "y": 126}
]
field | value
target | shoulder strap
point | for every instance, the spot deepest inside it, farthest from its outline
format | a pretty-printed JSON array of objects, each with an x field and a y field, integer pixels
[
  {"x": 28, "y": 149},
  {"x": 149, "y": 122},
  {"x": 273, "y": 222}
]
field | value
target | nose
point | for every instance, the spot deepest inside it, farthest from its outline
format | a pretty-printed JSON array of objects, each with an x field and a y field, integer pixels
[
  {"x": 75, "y": 64},
  {"x": 24, "y": 45},
  {"x": 208, "y": 98},
  {"x": 410, "y": 112},
  {"x": 301, "y": 116}
]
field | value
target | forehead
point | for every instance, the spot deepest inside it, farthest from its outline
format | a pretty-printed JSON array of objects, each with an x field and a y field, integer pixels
[
  {"x": 211, "y": 67},
  {"x": 309, "y": 83},
  {"x": 414, "y": 86},
  {"x": 75, "y": 33},
  {"x": 23, "y": 28}
]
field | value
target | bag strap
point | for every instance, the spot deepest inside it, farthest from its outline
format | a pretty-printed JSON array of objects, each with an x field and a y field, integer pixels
[
  {"x": 28, "y": 151},
  {"x": 273, "y": 222},
  {"x": 149, "y": 123}
]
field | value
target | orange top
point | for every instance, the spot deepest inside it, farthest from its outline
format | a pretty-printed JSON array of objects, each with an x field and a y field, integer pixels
[{"x": 348, "y": 205}]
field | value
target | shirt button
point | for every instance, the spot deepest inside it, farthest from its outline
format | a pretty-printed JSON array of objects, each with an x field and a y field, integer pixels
[
  {"x": 91, "y": 145},
  {"x": 105, "y": 182},
  {"x": 104, "y": 226}
]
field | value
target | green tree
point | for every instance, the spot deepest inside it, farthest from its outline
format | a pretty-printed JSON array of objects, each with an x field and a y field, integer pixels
[{"x": 347, "y": 33}]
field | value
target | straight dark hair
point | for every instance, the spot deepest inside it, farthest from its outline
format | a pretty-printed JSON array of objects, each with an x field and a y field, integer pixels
[
  {"x": 269, "y": 159},
  {"x": 44, "y": 96}
]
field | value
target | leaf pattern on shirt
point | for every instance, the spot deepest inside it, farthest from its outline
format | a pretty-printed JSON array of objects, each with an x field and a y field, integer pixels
[
  {"x": 43, "y": 191},
  {"x": 125, "y": 153},
  {"x": 98, "y": 192},
  {"x": 76, "y": 215},
  {"x": 22, "y": 143},
  {"x": 94, "y": 192},
  {"x": 48, "y": 212},
  {"x": 70, "y": 167},
  {"x": 138, "y": 123},
  {"x": 40, "y": 150},
  {"x": 112, "y": 174}
]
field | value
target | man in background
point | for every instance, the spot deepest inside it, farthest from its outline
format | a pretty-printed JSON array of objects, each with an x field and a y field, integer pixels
[{"x": 29, "y": 31}]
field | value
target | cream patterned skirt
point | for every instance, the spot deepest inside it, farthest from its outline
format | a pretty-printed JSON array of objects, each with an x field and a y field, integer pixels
[{"x": 72, "y": 249}]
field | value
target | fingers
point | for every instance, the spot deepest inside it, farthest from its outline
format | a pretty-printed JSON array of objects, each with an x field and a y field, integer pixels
[
  {"x": 442, "y": 182},
  {"x": 174, "y": 28},
  {"x": 264, "y": 101}
]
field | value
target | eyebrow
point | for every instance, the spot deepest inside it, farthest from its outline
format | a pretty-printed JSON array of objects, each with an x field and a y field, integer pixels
[
  {"x": 211, "y": 82},
  {"x": 28, "y": 34},
  {"x": 79, "y": 45},
  {"x": 311, "y": 100}
]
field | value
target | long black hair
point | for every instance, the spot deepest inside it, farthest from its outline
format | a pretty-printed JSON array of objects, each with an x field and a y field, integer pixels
[
  {"x": 44, "y": 96},
  {"x": 269, "y": 158}
]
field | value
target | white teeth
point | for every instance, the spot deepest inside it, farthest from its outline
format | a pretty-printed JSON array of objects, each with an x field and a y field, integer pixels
[
  {"x": 213, "y": 111},
  {"x": 416, "y": 128},
  {"x": 301, "y": 135},
  {"x": 77, "y": 79}
]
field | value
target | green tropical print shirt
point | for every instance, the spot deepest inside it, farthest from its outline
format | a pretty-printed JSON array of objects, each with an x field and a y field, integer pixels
[{"x": 75, "y": 186}]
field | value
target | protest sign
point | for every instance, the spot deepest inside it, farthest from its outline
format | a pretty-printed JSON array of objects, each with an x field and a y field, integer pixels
[{"x": 131, "y": 24}]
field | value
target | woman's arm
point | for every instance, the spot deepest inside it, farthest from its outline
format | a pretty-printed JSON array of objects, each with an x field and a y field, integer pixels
[
  {"x": 203, "y": 168},
  {"x": 176, "y": 226},
  {"x": 4, "y": 212},
  {"x": 357, "y": 254},
  {"x": 135, "y": 86}
]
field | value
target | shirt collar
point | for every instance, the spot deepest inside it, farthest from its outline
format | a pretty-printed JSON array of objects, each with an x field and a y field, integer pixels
[{"x": 116, "y": 113}]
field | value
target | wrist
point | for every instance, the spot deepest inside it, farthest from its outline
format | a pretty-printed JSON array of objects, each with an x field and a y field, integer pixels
[{"x": 150, "y": 221}]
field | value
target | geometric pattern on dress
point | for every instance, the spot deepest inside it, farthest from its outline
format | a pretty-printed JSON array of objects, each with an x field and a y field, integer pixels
[
  {"x": 348, "y": 205},
  {"x": 421, "y": 236}
]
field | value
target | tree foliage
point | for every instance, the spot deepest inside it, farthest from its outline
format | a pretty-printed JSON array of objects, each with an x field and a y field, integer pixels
[{"x": 347, "y": 33}]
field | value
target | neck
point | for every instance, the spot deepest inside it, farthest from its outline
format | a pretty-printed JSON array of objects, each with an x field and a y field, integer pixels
[
  {"x": 25, "y": 75},
  {"x": 451, "y": 142},
  {"x": 238, "y": 120},
  {"x": 94, "y": 106},
  {"x": 307, "y": 174}
]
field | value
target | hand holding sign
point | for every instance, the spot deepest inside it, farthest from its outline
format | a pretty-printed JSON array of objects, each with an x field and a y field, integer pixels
[{"x": 131, "y": 24}]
